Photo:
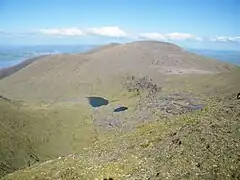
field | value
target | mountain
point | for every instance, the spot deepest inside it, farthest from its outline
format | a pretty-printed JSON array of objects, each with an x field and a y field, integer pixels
[
  {"x": 13, "y": 55},
  {"x": 5, "y": 72},
  {"x": 179, "y": 117},
  {"x": 99, "y": 48},
  {"x": 67, "y": 76}
]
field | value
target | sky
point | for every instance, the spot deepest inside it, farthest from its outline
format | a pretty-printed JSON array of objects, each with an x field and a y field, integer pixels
[{"x": 208, "y": 24}]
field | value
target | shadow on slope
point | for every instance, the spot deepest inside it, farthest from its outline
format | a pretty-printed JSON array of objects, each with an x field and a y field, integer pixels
[{"x": 15, "y": 142}]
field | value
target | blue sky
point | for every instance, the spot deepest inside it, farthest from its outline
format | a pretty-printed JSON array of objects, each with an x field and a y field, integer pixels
[{"x": 190, "y": 23}]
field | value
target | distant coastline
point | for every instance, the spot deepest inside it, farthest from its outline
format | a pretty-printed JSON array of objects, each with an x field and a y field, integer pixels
[
  {"x": 229, "y": 56},
  {"x": 13, "y": 55},
  {"x": 232, "y": 57},
  {"x": 7, "y": 71}
]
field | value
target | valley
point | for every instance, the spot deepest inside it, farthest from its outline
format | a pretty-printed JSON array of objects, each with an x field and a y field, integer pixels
[{"x": 140, "y": 110}]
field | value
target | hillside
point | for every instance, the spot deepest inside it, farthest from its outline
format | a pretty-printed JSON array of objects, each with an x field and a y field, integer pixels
[
  {"x": 31, "y": 134},
  {"x": 197, "y": 145},
  {"x": 5, "y": 72},
  {"x": 64, "y": 77},
  {"x": 175, "y": 125},
  {"x": 100, "y": 48}
]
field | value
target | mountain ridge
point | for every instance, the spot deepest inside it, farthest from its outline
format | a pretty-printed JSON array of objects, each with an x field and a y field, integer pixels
[
  {"x": 58, "y": 75},
  {"x": 175, "y": 125}
]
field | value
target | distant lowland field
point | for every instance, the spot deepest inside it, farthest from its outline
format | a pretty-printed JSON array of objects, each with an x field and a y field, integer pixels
[{"x": 12, "y": 55}]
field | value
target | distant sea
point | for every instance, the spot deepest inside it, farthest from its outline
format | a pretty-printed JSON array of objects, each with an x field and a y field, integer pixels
[
  {"x": 232, "y": 57},
  {"x": 12, "y": 55}
]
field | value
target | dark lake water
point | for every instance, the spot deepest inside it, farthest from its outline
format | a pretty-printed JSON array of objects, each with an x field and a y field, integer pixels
[
  {"x": 95, "y": 101},
  {"x": 120, "y": 109}
]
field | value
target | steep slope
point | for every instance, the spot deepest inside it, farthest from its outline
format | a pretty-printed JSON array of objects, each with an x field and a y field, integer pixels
[
  {"x": 14, "y": 136},
  {"x": 100, "y": 48},
  {"x": 170, "y": 120},
  {"x": 31, "y": 134},
  {"x": 146, "y": 57},
  {"x": 64, "y": 77},
  {"x": 198, "y": 145},
  {"x": 11, "y": 70},
  {"x": 46, "y": 79}
]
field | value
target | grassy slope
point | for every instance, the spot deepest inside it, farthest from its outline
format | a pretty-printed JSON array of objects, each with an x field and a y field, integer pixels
[
  {"x": 43, "y": 131},
  {"x": 37, "y": 133},
  {"x": 199, "y": 145},
  {"x": 13, "y": 69},
  {"x": 61, "y": 77},
  {"x": 100, "y": 48}
]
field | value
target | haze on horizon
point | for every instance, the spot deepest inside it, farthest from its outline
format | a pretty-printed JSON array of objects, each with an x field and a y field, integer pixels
[{"x": 208, "y": 24}]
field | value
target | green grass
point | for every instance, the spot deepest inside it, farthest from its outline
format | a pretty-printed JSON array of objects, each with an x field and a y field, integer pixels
[
  {"x": 198, "y": 145},
  {"x": 37, "y": 132},
  {"x": 43, "y": 132}
]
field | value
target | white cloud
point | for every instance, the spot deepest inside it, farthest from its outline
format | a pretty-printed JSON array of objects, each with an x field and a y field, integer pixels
[
  {"x": 152, "y": 36},
  {"x": 225, "y": 39},
  {"x": 169, "y": 36},
  {"x": 63, "y": 32},
  {"x": 115, "y": 31},
  {"x": 181, "y": 36},
  {"x": 108, "y": 31}
]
